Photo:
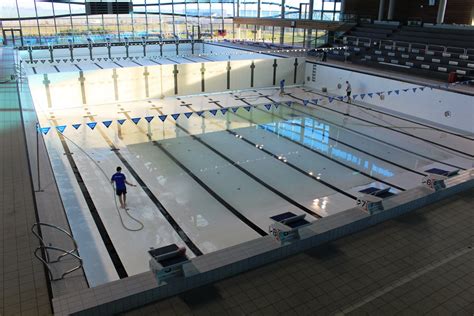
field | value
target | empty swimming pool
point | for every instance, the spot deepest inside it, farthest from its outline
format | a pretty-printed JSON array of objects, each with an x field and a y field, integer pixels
[{"x": 212, "y": 176}]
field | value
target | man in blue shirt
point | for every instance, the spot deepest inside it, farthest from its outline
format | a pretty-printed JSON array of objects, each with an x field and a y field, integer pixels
[
  {"x": 120, "y": 188},
  {"x": 282, "y": 87}
]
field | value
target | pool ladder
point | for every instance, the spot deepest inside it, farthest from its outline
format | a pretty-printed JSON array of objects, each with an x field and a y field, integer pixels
[{"x": 46, "y": 248}]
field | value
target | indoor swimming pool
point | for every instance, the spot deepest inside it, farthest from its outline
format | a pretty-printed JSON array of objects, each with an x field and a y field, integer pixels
[{"x": 212, "y": 169}]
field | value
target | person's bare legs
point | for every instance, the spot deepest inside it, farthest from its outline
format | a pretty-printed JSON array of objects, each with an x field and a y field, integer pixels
[{"x": 122, "y": 202}]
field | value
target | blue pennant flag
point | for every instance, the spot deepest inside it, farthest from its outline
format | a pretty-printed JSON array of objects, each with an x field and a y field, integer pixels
[
  {"x": 268, "y": 106},
  {"x": 389, "y": 92},
  {"x": 414, "y": 89},
  {"x": 370, "y": 94},
  {"x": 136, "y": 120},
  {"x": 405, "y": 90},
  {"x": 379, "y": 93},
  {"x": 276, "y": 105},
  {"x": 288, "y": 103},
  {"x": 200, "y": 113},
  {"x": 45, "y": 130},
  {"x": 61, "y": 128},
  {"x": 224, "y": 111},
  {"x": 355, "y": 96},
  {"x": 149, "y": 118},
  {"x": 397, "y": 92},
  {"x": 213, "y": 112},
  {"x": 163, "y": 117},
  {"x": 92, "y": 125},
  {"x": 340, "y": 98},
  {"x": 330, "y": 99},
  {"x": 121, "y": 121},
  {"x": 107, "y": 123},
  {"x": 362, "y": 96},
  {"x": 305, "y": 102},
  {"x": 76, "y": 126},
  {"x": 175, "y": 116},
  {"x": 188, "y": 114},
  {"x": 422, "y": 88},
  {"x": 235, "y": 109},
  {"x": 247, "y": 108}
]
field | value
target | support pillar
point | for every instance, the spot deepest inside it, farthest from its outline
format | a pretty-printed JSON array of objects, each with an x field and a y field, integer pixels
[
  {"x": 343, "y": 8},
  {"x": 381, "y": 10},
  {"x": 441, "y": 11},
  {"x": 391, "y": 9}
]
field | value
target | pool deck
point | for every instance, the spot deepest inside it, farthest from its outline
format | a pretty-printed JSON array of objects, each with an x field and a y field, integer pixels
[{"x": 418, "y": 264}]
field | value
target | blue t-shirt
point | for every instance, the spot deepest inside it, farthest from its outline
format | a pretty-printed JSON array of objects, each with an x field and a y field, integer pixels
[
  {"x": 282, "y": 83},
  {"x": 119, "y": 179}
]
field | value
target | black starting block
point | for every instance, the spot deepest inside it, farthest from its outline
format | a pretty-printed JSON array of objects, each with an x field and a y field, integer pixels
[
  {"x": 167, "y": 262},
  {"x": 442, "y": 172},
  {"x": 286, "y": 226},
  {"x": 371, "y": 200},
  {"x": 434, "y": 182}
]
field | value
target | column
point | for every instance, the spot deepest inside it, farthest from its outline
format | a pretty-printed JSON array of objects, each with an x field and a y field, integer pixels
[
  {"x": 441, "y": 11},
  {"x": 381, "y": 9},
  {"x": 343, "y": 7},
  {"x": 391, "y": 9}
]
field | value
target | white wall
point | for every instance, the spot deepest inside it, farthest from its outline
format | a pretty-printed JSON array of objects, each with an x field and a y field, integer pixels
[
  {"x": 65, "y": 88},
  {"x": 429, "y": 105}
]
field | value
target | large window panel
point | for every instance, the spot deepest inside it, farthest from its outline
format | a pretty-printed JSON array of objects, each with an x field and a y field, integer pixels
[
  {"x": 248, "y": 8},
  {"x": 294, "y": 9},
  {"x": 270, "y": 9}
]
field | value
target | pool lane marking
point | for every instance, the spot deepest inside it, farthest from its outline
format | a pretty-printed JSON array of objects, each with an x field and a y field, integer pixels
[
  {"x": 149, "y": 193},
  {"x": 118, "y": 64},
  {"x": 351, "y": 146},
  {"x": 234, "y": 211},
  {"x": 387, "y": 127},
  {"x": 329, "y": 158},
  {"x": 396, "y": 116},
  {"x": 135, "y": 62},
  {"x": 307, "y": 210},
  {"x": 98, "y": 65},
  {"x": 118, "y": 265},
  {"x": 368, "y": 136}
]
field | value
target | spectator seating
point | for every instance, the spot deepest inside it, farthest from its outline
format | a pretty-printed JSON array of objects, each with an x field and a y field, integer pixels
[{"x": 431, "y": 51}]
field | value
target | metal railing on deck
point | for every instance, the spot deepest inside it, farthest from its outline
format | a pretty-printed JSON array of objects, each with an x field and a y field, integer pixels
[{"x": 46, "y": 248}]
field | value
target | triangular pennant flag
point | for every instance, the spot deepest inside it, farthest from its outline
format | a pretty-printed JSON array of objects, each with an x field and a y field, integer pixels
[
  {"x": 149, "y": 118},
  {"x": 78, "y": 59},
  {"x": 389, "y": 92},
  {"x": 213, "y": 112},
  {"x": 414, "y": 89},
  {"x": 288, "y": 103},
  {"x": 43, "y": 61},
  {"x": 200, "y": 113},
  {"x": 362, "y": 96},
  {"x": 76, "y": 126},
  {"x": 188, "y": 114},
  {"x": 163, "y": 117},
  {"x": 99, "y": 59},
  {"x": 370, "y": 94},
  {"x": 379, "y": 93},
  {"x": 355, "y": 96},
  {"x": 340, "y": 98},
  {"x": 136, "y": 120},
  {"x": 421, "y": 88},
  {"x": 405, "y": 90},
  {"x": 397, "y": 92},
  {"x": 276, "y": 105},
  {"x": 107, "y": 123},
  {"x": 224, "y": 111},
  {"x": 45, "y": 130},
  {"x": 121, "y": 121},
  {"x": 59, "y": 60},
  {"x": 92, "y": 125},
  {"x": 247, "y": 108},
  {"x": 175, "y": 116},
  {"x": 305, "y": 102},
  {"x": 235, "y": 109},
  {"x": 315, "y": 101},
  {"x": 268, "y": 106},
  {"x": 330, "y": 99}
]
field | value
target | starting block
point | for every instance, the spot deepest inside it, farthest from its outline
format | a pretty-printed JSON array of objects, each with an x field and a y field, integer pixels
[
  {"x": 434, "y": 181},
  {"x": 286, "y": 226},
  {"x": 167, "y": 262},
  {"x": 370, "y": 203}
]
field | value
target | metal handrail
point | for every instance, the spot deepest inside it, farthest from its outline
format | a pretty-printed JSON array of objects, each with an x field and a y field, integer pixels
[{"x": 64, "y": 252}]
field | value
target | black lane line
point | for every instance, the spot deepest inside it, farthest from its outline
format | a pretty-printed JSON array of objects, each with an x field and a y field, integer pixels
[
  {"x": 119, "y": 267},
  {"x": 98, "y": 65},
  {"x": 189, "y": 59},
  {"x": 258, "y": 180},
  {"x": 57, "y": 69},
  {"x": 118, "y": 64},
  {"x": 398, "y": 117},
  {"x": 150, "y": 195},
  {"x": 34, "y": 70},
  {"x": 387, "y": 127},
  {"x": 78, "y": 67},
  {"x": 136, "y": 63},
  {"x": 287, "y": 163},
  {"x": 371, "y": 137},
  {"x": 234, "y": 211},
  {"x": 153, "y": 61},
  {"x": 350, "y": 146},
  {"x": 329, "y": 158}
]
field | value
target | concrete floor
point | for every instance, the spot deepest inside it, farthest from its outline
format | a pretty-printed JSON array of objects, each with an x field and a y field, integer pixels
[{"x": 419, "y": 264}]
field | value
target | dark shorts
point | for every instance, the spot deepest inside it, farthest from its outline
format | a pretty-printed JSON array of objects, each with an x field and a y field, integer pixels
[
  {"x": 349, "y": 93},
  {"x": 121, "y": 191}
]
